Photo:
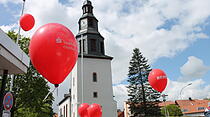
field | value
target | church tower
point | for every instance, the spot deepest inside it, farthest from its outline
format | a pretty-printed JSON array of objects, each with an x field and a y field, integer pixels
[{"x": 92, "y": 75}]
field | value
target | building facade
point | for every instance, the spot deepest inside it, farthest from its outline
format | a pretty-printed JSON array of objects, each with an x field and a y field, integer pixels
[
  {"x": 64, "y": 106},
  {"x": 92, "y": 75}
]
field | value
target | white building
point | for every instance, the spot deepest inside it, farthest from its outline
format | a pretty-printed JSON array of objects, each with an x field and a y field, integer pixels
[
  {"x": 95, "y": 84},
  {"x": 65, "y": 106}
]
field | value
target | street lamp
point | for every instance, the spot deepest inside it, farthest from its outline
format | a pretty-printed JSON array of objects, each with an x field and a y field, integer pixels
[{"x": 183, "y": 88}]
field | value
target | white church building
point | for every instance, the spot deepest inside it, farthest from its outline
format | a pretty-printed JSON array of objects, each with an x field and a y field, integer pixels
[{"x": 92, "y": 74}]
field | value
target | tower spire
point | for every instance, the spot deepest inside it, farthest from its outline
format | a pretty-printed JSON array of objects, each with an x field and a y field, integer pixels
[{"x": 87, "y": 7}]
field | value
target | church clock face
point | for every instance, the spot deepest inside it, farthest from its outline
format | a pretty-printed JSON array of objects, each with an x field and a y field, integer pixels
[{"x": 83, "y": 23}]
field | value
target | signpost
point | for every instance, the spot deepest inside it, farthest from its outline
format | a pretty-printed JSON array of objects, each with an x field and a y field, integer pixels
[{"x": 7, "y": 103}]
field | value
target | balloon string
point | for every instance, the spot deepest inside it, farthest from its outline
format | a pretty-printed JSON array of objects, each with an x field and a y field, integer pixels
[{"x": 49, "y": 94}]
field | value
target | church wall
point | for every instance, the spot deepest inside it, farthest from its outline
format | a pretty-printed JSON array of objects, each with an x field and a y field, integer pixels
[{"x": 103, "y": 86}]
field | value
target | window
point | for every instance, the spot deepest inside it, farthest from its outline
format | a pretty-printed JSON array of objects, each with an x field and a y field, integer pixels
[
  {"x": 93, "y": 45},
  {"x": 94, "y": 77},
  {"x": 73, "y": 96},
  {"x": 91, "y": 23},
  {"x": 64, "y": 114},
  {"x": 95, "y": 94},
  {"x": 102, "y": 47},
  {"x": 66, "y": 110},
  {"x": 83, "y": 45},
  {"x": 80, "y": 46},
  {"x": 201, "y": 108},
  {"x": 184, "y": 110},
  {"x": 89, "y": 9},
  {"x": 61, "y": 112},
  {"x": 86, "y": 9}
]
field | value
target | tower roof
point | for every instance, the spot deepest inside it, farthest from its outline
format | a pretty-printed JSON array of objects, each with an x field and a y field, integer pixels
[{"x": 87, "y": 2}]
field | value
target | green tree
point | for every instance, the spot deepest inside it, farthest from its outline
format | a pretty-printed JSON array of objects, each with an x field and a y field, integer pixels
[
  {"x": 172, "y": 109},
  {"x": 143, "y": 99},
  {"x": 30, "y": 89}
]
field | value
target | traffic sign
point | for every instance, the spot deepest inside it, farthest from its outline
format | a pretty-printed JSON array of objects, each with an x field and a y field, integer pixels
[{"x": 8, "y": 101}]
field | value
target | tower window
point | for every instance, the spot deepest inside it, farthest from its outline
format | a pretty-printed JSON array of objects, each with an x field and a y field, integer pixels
[
  {"x": 80, "y": 46},
  {"x": 89, "y": 9},
  {"x": 86, "y": 9},
  {"x": 93, "y": 45},
  {"x": 83, "y": 45},
  {"x": 95, "y": 94},
  {"x": 102, "y": 47},
  {"x": 94, "y": 77},
  {"x": 91, "y": 23}
]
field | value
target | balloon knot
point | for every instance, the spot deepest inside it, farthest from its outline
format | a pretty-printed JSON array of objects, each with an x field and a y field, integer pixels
[{"x": 56, "y": 85}]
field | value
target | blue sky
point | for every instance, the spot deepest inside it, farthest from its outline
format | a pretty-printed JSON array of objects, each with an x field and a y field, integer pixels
[{"x": 173, "y": 35}]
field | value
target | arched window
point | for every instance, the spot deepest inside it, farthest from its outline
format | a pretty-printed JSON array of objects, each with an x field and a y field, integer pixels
[
  {"x": 94, "y": 77},
  {"x": 93, "y": 45}
]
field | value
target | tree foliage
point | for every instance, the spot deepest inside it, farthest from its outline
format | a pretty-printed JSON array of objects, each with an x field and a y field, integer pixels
[
  {"x": 142, "y": 98},
  {"x": 172, "y": 110},
  {"x": 30, "y": 89}
]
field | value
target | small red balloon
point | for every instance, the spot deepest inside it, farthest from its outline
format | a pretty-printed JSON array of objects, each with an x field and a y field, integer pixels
[
  {"x": 27, "y": 22},
  {"x": 157, "y": 79},
  {"x": 82, "y": 110},
  {"x": 94, "y": 110},
  {"x": 53, "y": 52}
]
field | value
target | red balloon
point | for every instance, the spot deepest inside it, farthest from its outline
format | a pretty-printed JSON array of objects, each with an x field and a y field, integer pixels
[
  {"x": 82, "y": 110},
  {"x": 94, "y": 110},
  {"x": 53, "y": 52},
  {"x": 157, "y": 79},
  {"x": 27, "y": 22}
]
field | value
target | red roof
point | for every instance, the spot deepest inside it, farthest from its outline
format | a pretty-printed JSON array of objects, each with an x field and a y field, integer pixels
[
  {"x": 192, "y": 106},
  {"x": 162, "y": 104}
]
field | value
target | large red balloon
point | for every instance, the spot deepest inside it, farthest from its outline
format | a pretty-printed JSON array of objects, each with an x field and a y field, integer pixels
[
  {"x": 82, "y": 110},
  {"x": 157, "y": 79},
  {"x": 94, "y": 110},
  {"x": 27, "y": 22},
  {"x": 53, "y": 52}
]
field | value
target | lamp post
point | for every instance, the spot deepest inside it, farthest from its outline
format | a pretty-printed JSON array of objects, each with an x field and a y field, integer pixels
[{"x": 183, "y": 88}]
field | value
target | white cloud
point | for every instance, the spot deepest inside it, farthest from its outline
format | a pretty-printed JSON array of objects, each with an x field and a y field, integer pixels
[
  {"x": 7, "y": 28},
  {"x": 5, "y": 2},
  {"x": 120, "y": 93},
  {"x": 197, "y": 90},
  {"x": 193, "y": 68}
]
